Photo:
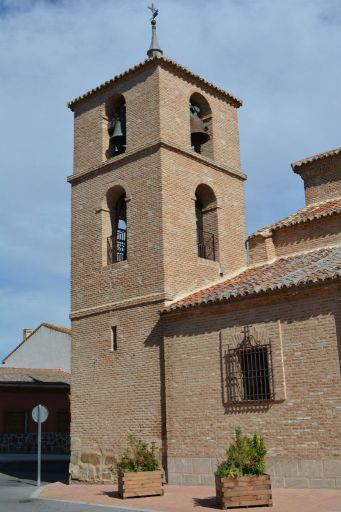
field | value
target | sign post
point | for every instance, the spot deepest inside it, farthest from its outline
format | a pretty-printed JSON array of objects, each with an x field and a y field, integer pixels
[{"x": 40, "y": 414}]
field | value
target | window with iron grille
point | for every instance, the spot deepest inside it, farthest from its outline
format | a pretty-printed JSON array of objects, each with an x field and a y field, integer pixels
[
  {"x": 249, "y": 375},
  {"x": 117, "y": 242}
]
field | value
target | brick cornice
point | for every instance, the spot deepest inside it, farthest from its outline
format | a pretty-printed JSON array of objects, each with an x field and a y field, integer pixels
[
  {"x": 125, "y": 158},
  {"x": 123, "y": 304},
  {"x": 171, "y": 66}
]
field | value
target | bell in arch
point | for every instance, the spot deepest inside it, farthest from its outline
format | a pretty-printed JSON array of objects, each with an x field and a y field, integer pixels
[
  {"x": 199, "y": 133},
  {"x": 115, "y": 131}
]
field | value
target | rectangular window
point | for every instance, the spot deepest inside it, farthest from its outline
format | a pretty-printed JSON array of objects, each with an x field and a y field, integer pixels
[
  {"x": 16, "y": 422},
  {"x": 113, "y": 345},
  {"x": 249, "y": 374}
]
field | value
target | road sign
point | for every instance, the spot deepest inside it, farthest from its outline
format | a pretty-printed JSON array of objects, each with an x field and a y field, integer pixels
[
  {"x": 44, "y": 413},
  {"x": 40, "y": 414}
]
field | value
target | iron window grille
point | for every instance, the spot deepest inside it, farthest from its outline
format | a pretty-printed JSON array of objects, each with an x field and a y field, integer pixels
[
  {"x": 249, "y": 371},
  {"x": 117, "y": 246},
  {"x": 206, "y": 245}
]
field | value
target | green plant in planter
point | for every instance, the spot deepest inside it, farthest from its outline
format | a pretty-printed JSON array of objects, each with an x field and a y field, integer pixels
[
  {"x": 244, "y": 457},
  {"x": 140, "y": 456}
]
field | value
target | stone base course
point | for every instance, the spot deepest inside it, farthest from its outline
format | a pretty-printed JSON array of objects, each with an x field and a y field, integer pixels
[{"x": 290, "y": 473}]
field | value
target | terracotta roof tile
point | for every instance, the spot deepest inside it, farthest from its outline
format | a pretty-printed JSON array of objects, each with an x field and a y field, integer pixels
[
  {"x": 310, "y": 159},
  {"x": 310, "y": 212},
  {"x": 33, "y": 376},
  {"x": 162, "y": 61},
  {"x": 296, "y": 270}
]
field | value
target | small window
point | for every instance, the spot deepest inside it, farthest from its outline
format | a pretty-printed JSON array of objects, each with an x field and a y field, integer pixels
[
  {"x": 113, "y": 345},
  {"x": 249, "y": 371},
  {"x": 16, "y": 422}
]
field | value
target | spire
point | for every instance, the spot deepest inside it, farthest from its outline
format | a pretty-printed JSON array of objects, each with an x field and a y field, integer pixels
[{"x": 154, "y": 49}]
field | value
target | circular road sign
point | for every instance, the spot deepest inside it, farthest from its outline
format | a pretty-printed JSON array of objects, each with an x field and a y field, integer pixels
[{"x": 44, "y": 413}]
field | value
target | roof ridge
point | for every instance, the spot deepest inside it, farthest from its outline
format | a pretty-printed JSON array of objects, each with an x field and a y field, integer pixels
[
  {"x": 32, "y": 368},
  {"x": 292, "y": 218},
  {"x": 318, "y": 156}
]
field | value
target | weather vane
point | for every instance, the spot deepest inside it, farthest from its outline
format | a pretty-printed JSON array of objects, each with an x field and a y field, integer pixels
[
  {"x": 155, "y": 12},
  {"x": 154, "y": 49}
]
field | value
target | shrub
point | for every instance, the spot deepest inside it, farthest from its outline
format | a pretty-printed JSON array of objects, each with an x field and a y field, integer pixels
[
  {"x": 244, "y": 457},
  {"x": 140, "y": 456}
]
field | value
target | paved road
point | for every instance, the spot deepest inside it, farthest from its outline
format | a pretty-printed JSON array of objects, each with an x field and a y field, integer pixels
[{"x": 17, "y": 486}]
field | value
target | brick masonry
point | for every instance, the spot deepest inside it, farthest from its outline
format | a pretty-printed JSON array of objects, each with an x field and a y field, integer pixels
[
  {"x": 165, "y": 381},
  {"x": 322, "y": 178}
]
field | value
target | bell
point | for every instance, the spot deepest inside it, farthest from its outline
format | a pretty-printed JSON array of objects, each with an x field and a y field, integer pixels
[
  {"x": 116, "y": 135},
  {"x": 198, "y": 133}
]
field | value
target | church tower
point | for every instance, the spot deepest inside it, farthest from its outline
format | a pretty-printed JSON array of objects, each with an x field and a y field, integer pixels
[{"x": 157, "y": 211}]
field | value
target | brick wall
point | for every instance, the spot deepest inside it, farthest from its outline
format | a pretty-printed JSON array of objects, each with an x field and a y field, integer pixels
[
  {"x": 303, "y": 423},
  {"x": 322, "y": 179},
  {"x": 304, "y": 236},
  {"x": 308, "y": 235}
]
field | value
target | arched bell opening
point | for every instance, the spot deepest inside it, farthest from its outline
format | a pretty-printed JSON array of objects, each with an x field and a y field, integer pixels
[
  {"x": 116, "y": 231},
  {"x": 206, "y": 223},
  {"x": 116, "y": 128},
  {"x": 201, "y": 125}
]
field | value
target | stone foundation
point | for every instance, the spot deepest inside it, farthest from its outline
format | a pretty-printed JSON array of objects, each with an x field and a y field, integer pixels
[
  {"x": 51, "y": 442},
  {"x": 295, "y": 473},
  {"x": 91, "y": 465}
]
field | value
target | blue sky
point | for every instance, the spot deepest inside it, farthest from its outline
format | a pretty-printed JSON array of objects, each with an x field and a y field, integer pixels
[{"x": 281, "y": 58}]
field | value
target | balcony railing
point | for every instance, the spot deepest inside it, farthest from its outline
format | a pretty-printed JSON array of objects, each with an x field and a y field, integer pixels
[
  {"x": 206, "y": 245},
  {"x": 117, "y": 246}
]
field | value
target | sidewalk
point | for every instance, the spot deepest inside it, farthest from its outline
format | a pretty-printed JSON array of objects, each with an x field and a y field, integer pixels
[{"x": 195, "y": 498}]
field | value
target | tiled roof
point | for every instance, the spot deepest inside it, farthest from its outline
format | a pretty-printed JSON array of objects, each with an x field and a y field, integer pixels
[
  {"x": 33, "y": 377},
  {"x": 55, "y": 327},
  {"x": 163, "y": 61},
  {"x": 310, "y": 212},
  {"x": 301, "y": 269},
  {"x": 310, "y": 159}
]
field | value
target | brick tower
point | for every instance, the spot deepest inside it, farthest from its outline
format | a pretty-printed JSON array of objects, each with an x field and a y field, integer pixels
[{"x": 157, "y": 211}]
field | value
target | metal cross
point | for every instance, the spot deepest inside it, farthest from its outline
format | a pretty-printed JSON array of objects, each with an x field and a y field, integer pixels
[
  {"x": 155, "y": 11},
  {"x": 247, "y": 336}
]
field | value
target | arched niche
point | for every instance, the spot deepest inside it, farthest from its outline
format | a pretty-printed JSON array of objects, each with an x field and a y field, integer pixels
[
  {"x": 201, "y": 125},
  {"x": 116, "y": 131},
  {"x": 206, "y": 216},
  {"x": 114, "y": 226}
]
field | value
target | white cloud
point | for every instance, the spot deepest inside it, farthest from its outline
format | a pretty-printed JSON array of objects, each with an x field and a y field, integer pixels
[{"x": 281, "y": 58}]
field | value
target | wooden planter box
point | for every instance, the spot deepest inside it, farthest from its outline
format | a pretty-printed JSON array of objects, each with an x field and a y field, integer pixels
[
  {"x": 143, "y": 483},
  {"x": 245, "y": 491}
]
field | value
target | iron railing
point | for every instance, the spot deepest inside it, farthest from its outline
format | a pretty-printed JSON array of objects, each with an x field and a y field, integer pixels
[
  {"x": 206, "y": 245},
  {"x": 249, "y": 375},
  {"x": 117, "y": 246}
]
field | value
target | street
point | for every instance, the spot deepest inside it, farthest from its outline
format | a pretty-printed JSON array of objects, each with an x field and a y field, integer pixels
[{"x": 17, "y": 485}]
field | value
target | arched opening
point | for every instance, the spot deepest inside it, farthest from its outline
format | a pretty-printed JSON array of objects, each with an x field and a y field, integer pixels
[
  {"x": 201, "y": 125},
  {"x": 206, "y": 223},
  {"x": 115, "y": 110},
  {"x": 116, "y": 241}
]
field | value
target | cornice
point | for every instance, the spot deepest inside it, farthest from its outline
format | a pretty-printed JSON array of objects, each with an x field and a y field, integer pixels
[
  {"x": 128, "y": 157},
  {"x": 167, "y": 64}
]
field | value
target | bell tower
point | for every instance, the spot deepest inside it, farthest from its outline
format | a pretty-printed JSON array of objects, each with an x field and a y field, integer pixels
[{"x": 157, "y": 211}]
